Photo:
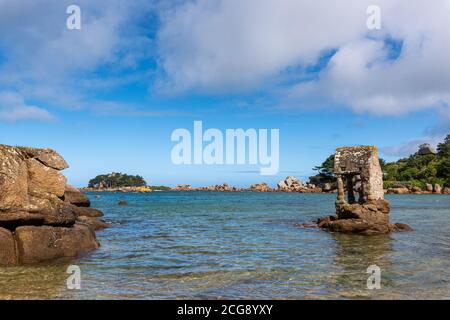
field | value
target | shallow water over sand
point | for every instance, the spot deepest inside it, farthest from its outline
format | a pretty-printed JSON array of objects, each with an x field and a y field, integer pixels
[{"x": 246, "y": 245}]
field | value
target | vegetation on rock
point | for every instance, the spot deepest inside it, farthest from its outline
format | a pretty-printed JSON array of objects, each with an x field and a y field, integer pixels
[
  {"x": 418, "y": 170},
  {"x": 324, "y": 172},
  {"x": 414, "y": 171},
  {"x": 116, "y": 180}
]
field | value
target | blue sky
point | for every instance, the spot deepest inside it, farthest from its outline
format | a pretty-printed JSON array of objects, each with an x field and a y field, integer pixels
[{"x": 108, "y": 96}]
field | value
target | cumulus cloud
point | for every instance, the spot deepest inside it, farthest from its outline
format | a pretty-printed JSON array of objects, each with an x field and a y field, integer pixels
[
  {"x": 226, "y": 45},
  {"x": 295, "y": 51},
  {"x": 231, "y": 45},
  {"x": 41, "y": 59},
  {"x": 14, "y": 108}
]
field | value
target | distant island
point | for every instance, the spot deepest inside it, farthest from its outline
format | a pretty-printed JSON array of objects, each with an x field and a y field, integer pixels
[{"x": 117, "y": 181}]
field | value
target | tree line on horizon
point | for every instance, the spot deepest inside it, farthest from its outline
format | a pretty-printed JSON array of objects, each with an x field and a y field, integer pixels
[
  {"x": 416, "y": 170},
  {"x": 121, "y": 180},
  {"x": 116, "y": 180}
]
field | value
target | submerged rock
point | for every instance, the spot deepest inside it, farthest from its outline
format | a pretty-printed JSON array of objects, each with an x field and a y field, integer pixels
[
  {"x": 401, "y": 227},
  {"x": 306, "y": 225}
]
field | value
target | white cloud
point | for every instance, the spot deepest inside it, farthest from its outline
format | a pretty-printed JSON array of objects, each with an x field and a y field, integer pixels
[
  {"x": 231, "y": 45},
  {"x": 227, "y": 45},
  {"x": 42, "y": 60},
  {"x": 14, "y": 108}
]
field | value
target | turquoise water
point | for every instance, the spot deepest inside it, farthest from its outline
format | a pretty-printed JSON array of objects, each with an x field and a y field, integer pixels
[{"x": 207, "y": 245}]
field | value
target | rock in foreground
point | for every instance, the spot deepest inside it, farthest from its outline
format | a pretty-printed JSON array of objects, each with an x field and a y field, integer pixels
[
  {"x": 44, "y": 243},
  {"x": 38, "y": 211},
  {"x": 74, "y": 196}
]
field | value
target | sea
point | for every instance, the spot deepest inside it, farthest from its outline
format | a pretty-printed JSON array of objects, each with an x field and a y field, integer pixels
[{"x": 246, "y": 245}]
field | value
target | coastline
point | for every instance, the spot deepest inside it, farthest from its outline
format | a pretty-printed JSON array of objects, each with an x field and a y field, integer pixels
[
  {"x": 240, "y": 190},
  {"x": 219, "y": 188}
]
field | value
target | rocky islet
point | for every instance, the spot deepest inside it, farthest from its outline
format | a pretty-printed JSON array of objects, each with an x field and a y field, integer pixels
[{"x": 365, "y": 212}]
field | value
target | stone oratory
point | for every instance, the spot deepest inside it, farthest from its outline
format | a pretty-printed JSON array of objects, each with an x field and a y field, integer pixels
[{"x": 364, "y": 210}]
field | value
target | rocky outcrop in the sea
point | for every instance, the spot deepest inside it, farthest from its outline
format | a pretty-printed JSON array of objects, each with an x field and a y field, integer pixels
[
  {"x": 292, "y": 184},
  {"x": 364, "y": 212},
  {"x": 409, "y": 189},
  {"x": 183, "y": 187},
  {"x": 225, "y": 187},
  {"x": 260, "y": 187},
  {"x": 368, "y": 219},
  {"x": 41, "y": 218}
]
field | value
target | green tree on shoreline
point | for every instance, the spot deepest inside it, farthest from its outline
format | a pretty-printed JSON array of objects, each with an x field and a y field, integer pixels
[
  {"x": 416, "y": 170},
  {"x": 422, "y": 169},
  {"x": 324, "y": 172}
]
